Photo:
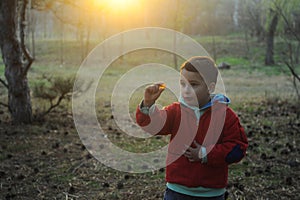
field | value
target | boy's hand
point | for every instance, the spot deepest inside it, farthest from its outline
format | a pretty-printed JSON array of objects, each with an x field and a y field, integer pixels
[
  {"x": 152, "y": 92},
  {"x": 192, "y": 154}
]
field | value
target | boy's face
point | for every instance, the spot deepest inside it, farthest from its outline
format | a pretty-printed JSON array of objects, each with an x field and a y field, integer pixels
[{"x": 193, "y": 88}]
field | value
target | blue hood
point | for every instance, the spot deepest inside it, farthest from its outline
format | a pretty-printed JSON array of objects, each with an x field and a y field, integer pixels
[{"x": 220, "y": 98}]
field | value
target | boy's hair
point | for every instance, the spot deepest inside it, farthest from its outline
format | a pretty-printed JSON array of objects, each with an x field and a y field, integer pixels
[{"x": 203, "y": 65}]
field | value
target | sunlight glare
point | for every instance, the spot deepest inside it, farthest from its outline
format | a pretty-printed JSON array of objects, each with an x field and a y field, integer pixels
[{"x": 117, "y": 4}]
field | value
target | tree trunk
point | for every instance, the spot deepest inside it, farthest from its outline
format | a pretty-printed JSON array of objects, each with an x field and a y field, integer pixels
[
  {"x": 269, "y": 59},
  {"x": 174, "y": 50},
  {"x": 88, "y": 35},
  {"x": 214, "y": 48},
  {"x": 16, "y": 59},
  {"x": 176, "y": 28},
  {"x": 236, "y": 14}
]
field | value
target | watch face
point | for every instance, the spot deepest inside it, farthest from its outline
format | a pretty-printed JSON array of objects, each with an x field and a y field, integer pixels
[{"x": 145, "y": 110}]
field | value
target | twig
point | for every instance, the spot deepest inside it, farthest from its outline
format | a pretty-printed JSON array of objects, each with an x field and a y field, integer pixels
[
  {"x": 70, "y": 195},
  {"x": 62, "y": 20},
  {"x": 4, "y": 105},
  {"x": 273, "y": 141},
  {"x": 77, "y": 167},
  {"x": 286, "y": 21},
  {"x": 293, "y": 71},
  {"x": 295, "y": 86},
  {"x": 4, "y": 83},
  {"x": 54, "y": 105},
  {"x": 250, "y": 160},
  {"x": 291, "y": 67}
]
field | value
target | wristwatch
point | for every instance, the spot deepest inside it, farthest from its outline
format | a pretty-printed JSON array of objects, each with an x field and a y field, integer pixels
[
  {"x": 145, "y": 110},
  {"x": 200, "y": 154}
]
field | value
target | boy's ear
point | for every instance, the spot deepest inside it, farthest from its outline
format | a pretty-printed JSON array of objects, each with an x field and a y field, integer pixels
[{"x": 211, "y": 87}]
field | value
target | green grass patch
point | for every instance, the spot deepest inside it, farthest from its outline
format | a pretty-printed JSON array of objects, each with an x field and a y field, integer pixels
[
  {"x": 247, "y": 80},
  {"x": 235, "y": 61},
  {"x": 2, "y": 68}
]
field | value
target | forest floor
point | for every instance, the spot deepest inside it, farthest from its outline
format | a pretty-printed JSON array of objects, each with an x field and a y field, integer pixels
[{"x": 47, "y": 160}]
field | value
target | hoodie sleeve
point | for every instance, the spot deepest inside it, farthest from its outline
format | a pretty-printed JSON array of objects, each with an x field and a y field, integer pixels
[
  {"x": 232, "y": 145},
  {"x": 157, "y": 122}
]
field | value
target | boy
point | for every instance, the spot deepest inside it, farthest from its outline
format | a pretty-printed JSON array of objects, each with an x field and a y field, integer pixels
[{"x": 206, "y": 135}]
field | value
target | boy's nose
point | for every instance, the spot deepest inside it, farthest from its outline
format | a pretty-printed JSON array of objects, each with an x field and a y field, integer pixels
[{"x": 187, "y": 89}]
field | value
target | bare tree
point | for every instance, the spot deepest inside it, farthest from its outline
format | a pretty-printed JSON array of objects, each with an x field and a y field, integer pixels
[
  {"x": 253, "y": 18},
  {"x": 291, "y": 55},
  {"x": 269, "y": 58},
  {"x": 16, "y": 58}
]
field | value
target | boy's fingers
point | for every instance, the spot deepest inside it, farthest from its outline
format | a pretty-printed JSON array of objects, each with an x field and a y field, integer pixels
[
  {"x": 152, "y": 90},
  {"x": 162, "y": 86},
  {"x": 160, "y": 90},
  {"x": 189, "y": 148},
  {"x": 188, "y": 155},
  {"x": 197, "y": 144}
]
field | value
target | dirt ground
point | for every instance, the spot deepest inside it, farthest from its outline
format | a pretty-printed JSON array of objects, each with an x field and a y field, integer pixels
[{"x": 48, "y": 161}]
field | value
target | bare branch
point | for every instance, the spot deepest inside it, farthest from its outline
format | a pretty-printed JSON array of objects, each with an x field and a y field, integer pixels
[
  {"x": 4, "y": 83},
  {"x": 292, "y": 70},
  {"x": 60, "y": 89},
  {"x": 61, "y": 97},
  {"x": 296, "y": 87},
  {"x": 290, "y": 64},
  {"x": 61, "y": 4},
  {"x": 62, "y": 20},
  {"x": 286, "y": 21},
  {"x": 25, "y": 51},
  {"x": 4, "y": 105}
]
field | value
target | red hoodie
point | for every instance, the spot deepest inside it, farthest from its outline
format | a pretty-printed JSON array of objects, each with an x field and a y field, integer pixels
[{"x": 224, "y": 140}]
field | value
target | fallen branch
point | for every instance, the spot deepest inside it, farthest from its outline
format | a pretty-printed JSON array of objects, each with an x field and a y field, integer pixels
[
  {"x": 69, "y": 195},
  {"x": 75, "y": 166}
]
